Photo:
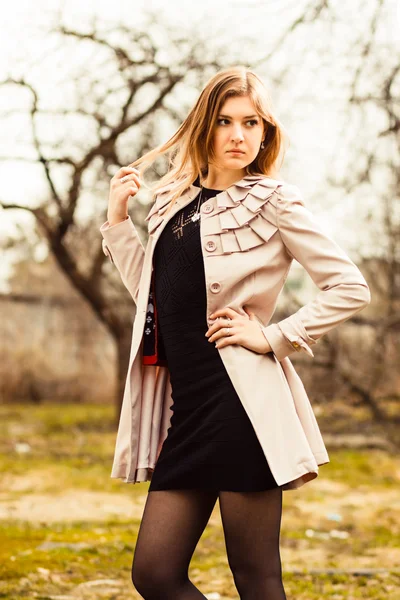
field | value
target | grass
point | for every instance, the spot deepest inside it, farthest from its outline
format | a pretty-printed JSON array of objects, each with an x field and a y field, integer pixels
[{"x": 62, "y": 540}]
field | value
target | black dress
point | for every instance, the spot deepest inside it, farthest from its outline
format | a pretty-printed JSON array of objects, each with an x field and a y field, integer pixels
[{"x": 211, "y": 443}]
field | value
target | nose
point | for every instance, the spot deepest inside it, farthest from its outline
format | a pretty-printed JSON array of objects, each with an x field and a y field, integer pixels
[{"x": 237, "y": 134}]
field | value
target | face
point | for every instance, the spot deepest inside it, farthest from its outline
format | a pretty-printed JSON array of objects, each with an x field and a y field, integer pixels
[{"x": 239, "y": 128}]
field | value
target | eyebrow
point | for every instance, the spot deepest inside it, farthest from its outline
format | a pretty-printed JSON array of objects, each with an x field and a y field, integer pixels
[{"x": 229, "y": 117}]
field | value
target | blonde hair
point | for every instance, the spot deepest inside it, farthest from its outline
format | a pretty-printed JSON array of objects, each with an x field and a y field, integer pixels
[{"x": 190, "y": 148}]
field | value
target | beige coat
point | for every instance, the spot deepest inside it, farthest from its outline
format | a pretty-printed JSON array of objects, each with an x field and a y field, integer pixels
[{"x": 250, "y": 233}]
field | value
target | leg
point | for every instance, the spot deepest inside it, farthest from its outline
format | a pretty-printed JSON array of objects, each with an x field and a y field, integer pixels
[
  {"x": 172, "y": 524},
  {"x": 251, "y": 523}
]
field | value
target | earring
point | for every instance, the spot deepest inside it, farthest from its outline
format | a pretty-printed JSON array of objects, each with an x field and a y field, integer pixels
[{"x": 262, "y": 145}]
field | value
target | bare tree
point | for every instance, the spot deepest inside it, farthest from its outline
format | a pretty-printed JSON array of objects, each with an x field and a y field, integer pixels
[
  {"x": 131, "y": 86},
  {"x": 374, "y": 118},
  {"x": 120, "y": 103}
]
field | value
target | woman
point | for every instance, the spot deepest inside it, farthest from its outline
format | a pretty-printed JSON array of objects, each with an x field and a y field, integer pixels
[{"x": 223, "y": 231}]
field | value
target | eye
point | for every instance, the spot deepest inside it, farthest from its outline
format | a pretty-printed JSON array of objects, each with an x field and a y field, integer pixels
[{"x": 253, "y": 122}]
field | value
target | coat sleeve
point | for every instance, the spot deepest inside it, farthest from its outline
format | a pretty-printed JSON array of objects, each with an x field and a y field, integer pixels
[
  {"x": 122, "y": 245},
  {"x": 344, "y": 291}
]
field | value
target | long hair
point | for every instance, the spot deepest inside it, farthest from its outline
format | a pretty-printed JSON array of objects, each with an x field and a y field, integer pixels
[{"x": 190, "y": 148}]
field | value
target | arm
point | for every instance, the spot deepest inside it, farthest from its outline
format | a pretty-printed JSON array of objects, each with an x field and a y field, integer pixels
[
  {"x": 344, "y": 291},
  {"x": 121, "y": 243}
]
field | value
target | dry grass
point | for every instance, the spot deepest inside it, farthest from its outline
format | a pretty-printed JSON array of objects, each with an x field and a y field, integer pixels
[{"x": 68, "y": 530}]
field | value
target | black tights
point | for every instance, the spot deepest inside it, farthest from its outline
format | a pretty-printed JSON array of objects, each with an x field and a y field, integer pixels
[{"x": 172, "y": 524}]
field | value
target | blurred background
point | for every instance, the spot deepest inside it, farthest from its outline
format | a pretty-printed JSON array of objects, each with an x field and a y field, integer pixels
[{"x": 88, "y": 87}]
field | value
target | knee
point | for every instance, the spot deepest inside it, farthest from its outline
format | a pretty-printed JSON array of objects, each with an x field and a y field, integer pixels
[
  {"x": 247, "y": 583},
  {"x": 252, "y": 577},
  {"x": 151, "y": 580},
  {"x": 143, "y": 579}
]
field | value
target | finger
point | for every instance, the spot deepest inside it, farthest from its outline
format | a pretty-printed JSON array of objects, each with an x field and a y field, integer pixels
[
  {"x": 126, "y": 171},
  {"x": 222, "y": 312},
  {"x": 132, "y": 191},
  {"x": 226, "y": 341},
  {"x": 117, "y": 182},
  {"x": 222, "y": 333},
  {"x": 131, "y": 178},
  {"x": 220, "y": 322},
  {"x": 130, "y": 168}
]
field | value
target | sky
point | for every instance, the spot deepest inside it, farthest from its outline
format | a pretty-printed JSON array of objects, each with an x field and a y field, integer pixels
[{"x": 311, "y": 123}]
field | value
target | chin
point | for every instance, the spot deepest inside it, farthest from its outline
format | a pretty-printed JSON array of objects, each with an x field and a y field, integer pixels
[{"x": 237, "y": 162}]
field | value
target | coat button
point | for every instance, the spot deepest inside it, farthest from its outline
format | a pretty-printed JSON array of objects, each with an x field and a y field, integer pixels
[
  {"x": 207, "y": 208},
  {"x": 210, "y": 245},
  {"x": 215, "y": 287}
]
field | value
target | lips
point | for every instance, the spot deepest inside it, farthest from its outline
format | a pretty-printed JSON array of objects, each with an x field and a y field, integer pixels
[{"x": 235, "y": 152}]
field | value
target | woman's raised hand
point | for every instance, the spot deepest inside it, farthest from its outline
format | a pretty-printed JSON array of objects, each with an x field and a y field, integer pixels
[{"x": 125, "y": 183}]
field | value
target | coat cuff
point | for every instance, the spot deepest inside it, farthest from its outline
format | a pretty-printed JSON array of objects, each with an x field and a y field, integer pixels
[
  {"x": 108, "y": 237},
  {"x": 288, "y": 336}
]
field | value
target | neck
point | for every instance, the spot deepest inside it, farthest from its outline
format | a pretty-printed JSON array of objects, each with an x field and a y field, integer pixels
[{"x": 220, "y": 180}]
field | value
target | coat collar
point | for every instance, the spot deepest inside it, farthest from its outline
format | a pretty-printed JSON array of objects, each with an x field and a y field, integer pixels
[{"x": 259, "y": 185}]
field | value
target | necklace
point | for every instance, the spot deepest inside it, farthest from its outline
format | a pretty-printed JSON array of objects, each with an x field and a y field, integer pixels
[
  {"x": 180, "y": 222},
  {"x": 196, "y": 215}
]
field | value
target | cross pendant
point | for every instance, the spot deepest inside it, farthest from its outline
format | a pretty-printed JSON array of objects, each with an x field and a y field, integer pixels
[{"x": 179, "y": 227}]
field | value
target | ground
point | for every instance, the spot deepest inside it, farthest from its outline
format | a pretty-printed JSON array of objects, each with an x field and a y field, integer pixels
[{"x": 68, "y": 530}]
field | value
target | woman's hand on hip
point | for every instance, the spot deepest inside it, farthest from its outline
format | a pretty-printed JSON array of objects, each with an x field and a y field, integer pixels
[
  {"x": 125, "y": 183},
  {"x": 243, "y": 330}
]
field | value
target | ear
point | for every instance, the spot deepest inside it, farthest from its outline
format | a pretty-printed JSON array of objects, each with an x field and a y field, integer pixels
[{"x": 264, "y": 133}]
